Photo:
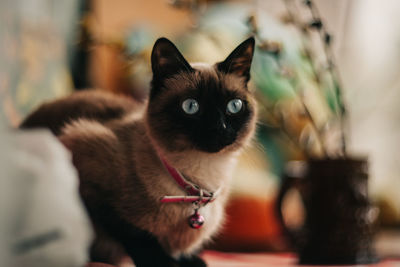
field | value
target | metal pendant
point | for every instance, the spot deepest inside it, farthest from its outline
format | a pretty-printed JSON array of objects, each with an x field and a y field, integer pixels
[{"x": 196, "y": 220}]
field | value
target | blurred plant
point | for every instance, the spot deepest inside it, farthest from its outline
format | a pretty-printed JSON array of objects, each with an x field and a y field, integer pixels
[
  {"x": 301, "y": 125},
  {"x": 130, "y": 71}
]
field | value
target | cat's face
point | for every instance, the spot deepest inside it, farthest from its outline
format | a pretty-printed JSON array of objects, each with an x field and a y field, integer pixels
[{"x": 202, "y": 107}]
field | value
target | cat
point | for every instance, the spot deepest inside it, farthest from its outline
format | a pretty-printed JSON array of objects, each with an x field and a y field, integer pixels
[{"x": 197, "y": 120}]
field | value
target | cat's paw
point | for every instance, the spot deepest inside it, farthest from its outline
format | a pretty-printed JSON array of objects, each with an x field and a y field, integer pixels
[
  {"x": 192, "y": 261},
  {"x": 158, "y": 263}
]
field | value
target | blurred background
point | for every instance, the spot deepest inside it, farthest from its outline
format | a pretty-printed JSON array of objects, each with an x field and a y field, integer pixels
[{"x": 322, "y": 70}]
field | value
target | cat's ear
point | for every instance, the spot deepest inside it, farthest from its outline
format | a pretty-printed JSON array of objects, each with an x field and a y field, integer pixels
[
  {"x": 239, "y": 61},
  {"x": 166, "y": 60}
]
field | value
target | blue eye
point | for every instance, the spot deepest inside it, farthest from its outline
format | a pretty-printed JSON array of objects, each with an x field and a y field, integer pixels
[
  {"x": 234, "y": 106},
  {"x": 190, "y": 106}
]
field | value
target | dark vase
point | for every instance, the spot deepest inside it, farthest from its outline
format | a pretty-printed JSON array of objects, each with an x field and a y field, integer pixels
[{"x": 339, "y": 222}]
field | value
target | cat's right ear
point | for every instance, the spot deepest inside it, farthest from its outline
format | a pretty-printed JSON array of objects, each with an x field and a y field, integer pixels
[
  {"x": 239, "y": 61},
  {"x": 166, "y": 60}
]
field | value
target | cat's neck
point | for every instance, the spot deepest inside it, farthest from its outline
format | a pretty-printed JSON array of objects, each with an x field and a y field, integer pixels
[{"x": 207, "y": 170}]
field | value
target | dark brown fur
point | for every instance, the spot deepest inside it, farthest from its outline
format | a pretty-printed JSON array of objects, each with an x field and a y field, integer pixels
[{"x": 92, "y": 104}]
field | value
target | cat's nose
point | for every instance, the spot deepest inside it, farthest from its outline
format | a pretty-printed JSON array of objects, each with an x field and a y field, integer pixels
[
  {"x": 222, "y": 124},
  {"x": 223, "y": 132},
  {"x": 219, "y": 130},
  {"x": 219, "y": 127}
]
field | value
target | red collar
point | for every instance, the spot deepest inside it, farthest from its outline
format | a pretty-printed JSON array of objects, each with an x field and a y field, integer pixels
[{"x": 195, "y": 193}]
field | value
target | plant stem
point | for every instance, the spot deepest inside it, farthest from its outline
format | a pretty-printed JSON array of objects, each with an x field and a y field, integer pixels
[
  {"x": 333, "y": 71},
  {"x": 252, "y": 23}
]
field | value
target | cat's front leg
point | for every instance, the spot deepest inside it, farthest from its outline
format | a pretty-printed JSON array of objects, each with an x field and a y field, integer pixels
[
  {"x": 192, "y": 261},
  {"x": 146, "y": 251},
  {"x": 140, "y": 245}
]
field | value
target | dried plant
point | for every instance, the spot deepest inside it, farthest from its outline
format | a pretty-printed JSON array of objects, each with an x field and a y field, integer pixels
[{"x": 314, "y": 130}]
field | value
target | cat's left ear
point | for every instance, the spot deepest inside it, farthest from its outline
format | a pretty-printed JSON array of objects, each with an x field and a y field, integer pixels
[{"x": 239, "y": 61}]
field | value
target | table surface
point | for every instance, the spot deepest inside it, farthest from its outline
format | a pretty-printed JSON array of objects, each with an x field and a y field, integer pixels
[
  {"x": 223, "y": 259},
  {"x": 387, "y": 247},
  {"x": 220, "y": 259}
]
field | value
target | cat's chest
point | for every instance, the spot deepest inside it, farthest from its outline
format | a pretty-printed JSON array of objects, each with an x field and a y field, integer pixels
[
  {"x": 175, "y": 231},
  {"x": 169, "y": 221}
]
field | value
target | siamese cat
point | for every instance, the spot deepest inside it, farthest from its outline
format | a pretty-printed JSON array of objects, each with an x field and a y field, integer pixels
[{"x": 155, "y": 181}]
